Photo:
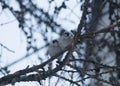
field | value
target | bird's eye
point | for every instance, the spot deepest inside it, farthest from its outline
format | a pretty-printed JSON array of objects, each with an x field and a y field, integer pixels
[
  {"x": 66, "y": 34},
  {"x": 55, "y": 41}
]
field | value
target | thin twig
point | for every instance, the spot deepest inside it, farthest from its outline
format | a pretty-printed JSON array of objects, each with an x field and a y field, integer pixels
[
  {"x": 7, "y": 22},
  {"x": 71, "y": 81},
  {"x": 6, "y": 48}
]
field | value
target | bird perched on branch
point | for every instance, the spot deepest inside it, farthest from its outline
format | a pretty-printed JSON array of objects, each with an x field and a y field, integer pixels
[{"x": 60, "y": 45}]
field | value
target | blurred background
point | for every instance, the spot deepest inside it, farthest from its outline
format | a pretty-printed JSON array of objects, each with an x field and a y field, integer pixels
[{"x": 28, "y": 27}]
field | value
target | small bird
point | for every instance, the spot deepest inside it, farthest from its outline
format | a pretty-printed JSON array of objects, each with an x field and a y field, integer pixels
[
  {"x": 54, "y": 48},
  {"x": 59, "y": 45}
]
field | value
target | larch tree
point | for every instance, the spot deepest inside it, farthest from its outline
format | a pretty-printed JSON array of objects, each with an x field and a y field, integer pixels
[{"x": 81, "y": 42}]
